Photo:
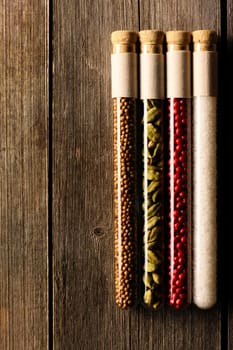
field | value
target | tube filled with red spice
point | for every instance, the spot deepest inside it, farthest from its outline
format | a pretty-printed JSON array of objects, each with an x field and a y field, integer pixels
[{"x": 179, "y": 166}]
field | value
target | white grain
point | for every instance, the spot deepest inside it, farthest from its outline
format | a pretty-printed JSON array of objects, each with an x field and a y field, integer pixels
[{"x": 204, "y": 201}]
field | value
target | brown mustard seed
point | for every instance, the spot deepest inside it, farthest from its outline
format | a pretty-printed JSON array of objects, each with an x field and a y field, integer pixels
[{"x": 125, "y": 201}]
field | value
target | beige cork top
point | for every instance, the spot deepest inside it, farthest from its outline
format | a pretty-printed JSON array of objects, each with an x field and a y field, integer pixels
[
  {"x": 151, "y": 41},
  {"x": 205, "y": 36},
  {"x": 124, "y": 41},
  {"x": 204, "y": 40},
  {"x": 124, "y": 37},
  {"x": 178, "y": 37},
  {"x": 151, "y": 37}
]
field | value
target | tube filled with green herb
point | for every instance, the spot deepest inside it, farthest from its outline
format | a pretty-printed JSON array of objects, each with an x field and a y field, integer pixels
[{"x": 152, "y": 156}]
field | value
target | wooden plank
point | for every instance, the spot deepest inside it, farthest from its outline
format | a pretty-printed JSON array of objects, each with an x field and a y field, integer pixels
[
  {"x": 183, "y": 15},
  {"x": 192, "y": 328},
  {"x": 228, "y": 147},
  {"x": 23, "y": 174},
  {"x": 85, "y": 314}
]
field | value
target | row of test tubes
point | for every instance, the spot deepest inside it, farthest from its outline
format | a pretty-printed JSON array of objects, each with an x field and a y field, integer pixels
[{"x": 165, "y": 252}]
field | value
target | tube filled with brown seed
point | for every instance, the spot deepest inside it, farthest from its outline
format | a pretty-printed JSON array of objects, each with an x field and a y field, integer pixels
[
  {"x": 152, "y": 96},
  {"x": 124, "y": 94}
]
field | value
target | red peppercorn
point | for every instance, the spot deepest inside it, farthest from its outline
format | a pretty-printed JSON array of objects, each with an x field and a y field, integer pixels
[
  {"x": 179, "y": 246},
  {"x": 178, "y": 166},
  {"x": 178, "y": 283},
  {"x": 184, "y": 177},
  {"x": 181, "y": 261},
  {"x": 181, "y": 218},
  {"x": 182, "y": 276},
  {"x": 180, "y": 254},
  {"x": 183, "y": 239},
  {"x": 178, "y": 302},
  {"x": 178, "y": 170}
]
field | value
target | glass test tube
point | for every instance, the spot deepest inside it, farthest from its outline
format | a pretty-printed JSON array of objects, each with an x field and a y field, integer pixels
[
  {"x": 179, "y": 113},
  {"x": 152, "y": 96},
  {"x": 204, "y": 168},
  {"x": 124, "y": 94}
]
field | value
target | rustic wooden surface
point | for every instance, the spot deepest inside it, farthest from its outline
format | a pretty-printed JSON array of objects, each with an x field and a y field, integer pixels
[
  {"x": 56, "y": 167},
  {"x": 23, "y": 175},
  {"x": 229, "y": 170}
]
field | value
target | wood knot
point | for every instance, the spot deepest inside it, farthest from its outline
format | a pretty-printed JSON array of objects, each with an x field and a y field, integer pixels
[{"x": 99, "y": 231}]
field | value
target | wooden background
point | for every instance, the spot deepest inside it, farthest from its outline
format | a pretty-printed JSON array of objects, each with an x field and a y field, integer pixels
[{"x": 56, "y": 181}]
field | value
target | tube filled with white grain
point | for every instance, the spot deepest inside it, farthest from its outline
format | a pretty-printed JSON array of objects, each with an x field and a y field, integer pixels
[{"x": 204, "y": 168}]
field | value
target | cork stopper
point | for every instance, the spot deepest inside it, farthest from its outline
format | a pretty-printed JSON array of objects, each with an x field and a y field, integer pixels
[
  {"x": 124, "y": 41},
  {"x": 151, "y": 41},
  {"x": 204, "y": 40},
  {"x": 178, "y": 40}
]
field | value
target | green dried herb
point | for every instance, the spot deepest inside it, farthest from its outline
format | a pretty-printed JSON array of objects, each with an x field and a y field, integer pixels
[{"x": 152, "y": 189}]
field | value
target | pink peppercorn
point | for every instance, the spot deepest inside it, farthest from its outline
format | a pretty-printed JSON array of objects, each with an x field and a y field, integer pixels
[{"x": 178, "y": 175}]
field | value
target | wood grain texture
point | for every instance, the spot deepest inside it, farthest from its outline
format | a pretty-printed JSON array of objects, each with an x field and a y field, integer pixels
[
  {"x": 180, "y": 15},
  {"x": 23, "y": 175},
  {"x": 85, "y": 314},
  {"x": 190, "y": 329},
  {"x": 229, "y": 168}
]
